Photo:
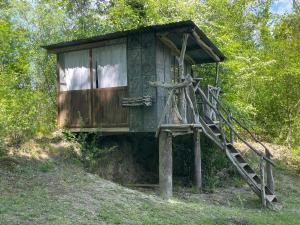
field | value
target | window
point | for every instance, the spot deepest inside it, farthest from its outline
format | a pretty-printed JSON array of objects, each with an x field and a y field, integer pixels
[
  {"x": 74, "y": 70},
  {"x": 110, "y": 66}
]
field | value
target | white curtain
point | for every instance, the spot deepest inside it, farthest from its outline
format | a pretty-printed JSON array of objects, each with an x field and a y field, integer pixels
[
  {"x": 111, "y": 65},
  {"x": 74, "y": 70}
]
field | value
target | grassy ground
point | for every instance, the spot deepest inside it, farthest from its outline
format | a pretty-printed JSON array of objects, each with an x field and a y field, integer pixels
[{"x": 47, "y": 190}]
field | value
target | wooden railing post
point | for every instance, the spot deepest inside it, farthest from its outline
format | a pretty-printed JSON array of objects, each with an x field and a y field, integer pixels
[
  {"x": 269, "y": 169},
  {"x": 230, "y": 130},
  {"x": 262, "y": 180}
]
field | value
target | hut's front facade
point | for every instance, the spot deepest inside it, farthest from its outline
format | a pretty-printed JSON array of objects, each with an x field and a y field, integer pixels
[{"x": 95, "y": 75}]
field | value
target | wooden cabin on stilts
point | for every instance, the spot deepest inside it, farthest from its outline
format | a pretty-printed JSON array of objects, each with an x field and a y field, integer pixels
[{"x": 142, "y": 80}]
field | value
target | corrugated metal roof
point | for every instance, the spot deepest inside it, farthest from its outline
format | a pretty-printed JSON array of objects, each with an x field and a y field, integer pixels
[{"x": 193, "y": 49}]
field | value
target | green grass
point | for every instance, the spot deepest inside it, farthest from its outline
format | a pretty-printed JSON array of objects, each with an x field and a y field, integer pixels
[{"x": 34, "y": 192}]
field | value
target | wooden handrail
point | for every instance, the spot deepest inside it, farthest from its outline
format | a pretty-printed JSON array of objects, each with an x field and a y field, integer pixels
[
  {"x": 248, "y": 131},
  {"x": 230, "y": 127},
  {"x": 239, "y": 123}
]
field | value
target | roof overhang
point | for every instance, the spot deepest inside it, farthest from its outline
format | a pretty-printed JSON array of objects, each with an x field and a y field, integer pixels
[{"x": 199, "y": 48}]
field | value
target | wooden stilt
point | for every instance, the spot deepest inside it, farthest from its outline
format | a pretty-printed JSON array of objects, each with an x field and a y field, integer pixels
[
  {"x": 165, "y": 164},
  {"x": 270, "y": 178},
  {"x": 197, "y": 153},
  {"x": 262, "y": 185}
]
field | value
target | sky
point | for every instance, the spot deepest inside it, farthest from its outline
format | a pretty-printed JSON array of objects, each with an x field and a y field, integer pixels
[{"x": 282, "y": 6}]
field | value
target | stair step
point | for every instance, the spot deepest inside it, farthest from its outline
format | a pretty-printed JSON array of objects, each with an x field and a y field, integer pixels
[
  {"x": 232, "y": 150},
  {"x": 240, "y": 159},
  {"x": 248, "y": 169},
  {"x": 243, "y": 164},
  {"x": 211, "y": 125},
  {"x": 234, "y": 154},
  {"x": 270, "y": 198},
  {"x": 217, "y": 134},
  {"x": 251, "y": 175},
  {"x": 257, "y": 179}
]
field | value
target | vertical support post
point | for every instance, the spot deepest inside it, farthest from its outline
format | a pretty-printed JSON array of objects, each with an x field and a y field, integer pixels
[
  {"x": 270, "y": 178},
  {"x": 58, "y": 67},
  {"x": 262, "y": 185},
  {"x": 181, "y": 98},
  {"x": 230, "y": 130},
  {"x": 197, "y": 160},
  {"x": 91, "y": 120},
  {"x": 217, "y": 74},
  {"x": 165, "y": 164}
]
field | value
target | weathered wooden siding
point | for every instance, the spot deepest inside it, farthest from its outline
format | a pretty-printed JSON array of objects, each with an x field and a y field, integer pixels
[
  {"x": 74, "y": 109},
  {"x": 163, "y": 72},
  {"x": 92, "y": 108},
  {"x": 164, "y": 60},
  {"x": 107, "y": 109},
  {"x": 141, "y": 69},
  {"x": 147, "y": 60}
]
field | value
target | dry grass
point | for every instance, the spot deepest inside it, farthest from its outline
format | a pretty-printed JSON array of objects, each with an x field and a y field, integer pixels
[{"x": 48, "y": 186}]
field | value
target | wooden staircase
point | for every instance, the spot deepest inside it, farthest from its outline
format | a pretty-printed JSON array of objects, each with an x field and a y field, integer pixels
[
  {"x": 215, "y": 131},
  {"x": 216, "y": 123},
  {"x": 211, "y": 130}
]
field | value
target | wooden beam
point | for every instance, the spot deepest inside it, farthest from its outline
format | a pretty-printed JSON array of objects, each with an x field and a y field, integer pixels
[
  {"x": 165, "y": 164},
  {"x": 197, "y": 159},
  {"x": 91, "y": 85},
  {"x": 270, "y": 177},
  {"x": 262, "y": 180},
  {"x": 217, "y": 74},
  {"x": 101, "y": 130},
  {"x": 173, "y": 31},
  {"x": 89, "y": 45},
  {"x": 58, "y": 90},
  {"x": 174, "y": 48},
  {"x": 182, "y": 106},
  {"x": 183, "y": 126},
  {"x": 169, "y": 85},
  {"x": 205, "y": 47}
]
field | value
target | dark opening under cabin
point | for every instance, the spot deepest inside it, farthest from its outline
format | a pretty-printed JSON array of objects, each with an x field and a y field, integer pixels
[{"x": 142, "y": 80}]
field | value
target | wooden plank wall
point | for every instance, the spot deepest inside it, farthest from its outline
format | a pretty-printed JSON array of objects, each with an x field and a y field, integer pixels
[
  {"x": 141, "y": 66},
  {"x": 163, "y": 71},
  {"x": 74, "y": 109},
  {"x": 164, "y": 60},
  {"x": 107, "y": 108}
]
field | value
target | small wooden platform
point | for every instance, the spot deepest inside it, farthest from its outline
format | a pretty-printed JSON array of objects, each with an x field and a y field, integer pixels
[
  {"x": 101, "y": 130},
  {"x": 180, "y": 129}
]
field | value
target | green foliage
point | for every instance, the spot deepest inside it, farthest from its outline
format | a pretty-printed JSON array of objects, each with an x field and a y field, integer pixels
[{"x": 90, "y": 148}]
